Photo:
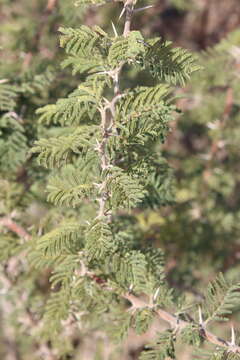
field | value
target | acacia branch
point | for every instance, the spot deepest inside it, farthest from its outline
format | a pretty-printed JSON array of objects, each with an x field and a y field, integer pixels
[
  {"x": 179, "y": 324},
  {"x": 108, "y": 120},
  {"x": 171, "y": 319},
  {"x": 136, "y": 302},
  {"x": 129, "y": 5}
]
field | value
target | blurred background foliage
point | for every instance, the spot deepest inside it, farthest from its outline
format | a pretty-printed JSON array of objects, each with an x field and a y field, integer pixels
[{"x": 199, "y": 231}]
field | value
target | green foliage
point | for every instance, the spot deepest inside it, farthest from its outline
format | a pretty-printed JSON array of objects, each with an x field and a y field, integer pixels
[
  {"x": 69, "y": 188},
  {"x": 84, "y": 43},
  {"x": 221, "y": 298},
  {"x": 78, "y": 106},
  {"x": 60, "y": 240},
  {"x": 142, "y": 320},
  {"x": 125, "y": 49},
  {"x": 8, "y": 94},
  {"x": 126, "y": 191},
  {"x": 217, "y": 354},
  {"x": 100, "y": 240},
  {"x": 13, "y": 142},
  {"x": 57, "y": 310},
  {"x": 191, "y": 335},
  {"x": 84, "y": 257},
  {"x": 168, "y": 64},
  {"x": 161, "y": 349}
]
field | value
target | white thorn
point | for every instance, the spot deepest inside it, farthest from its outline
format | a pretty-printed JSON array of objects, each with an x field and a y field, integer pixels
[
  {"x": 2, "y": 81},
  {"x": 143, "y": 8},
  {"x": 107, "y": 102},
  {"x": 98, "y": 146},
  {"x": 102, "y": 72},
  {"x": 200, "y": 316},
  {"x": 130, "y": 288},
  {"x": 114, "y": 29},
  {"x": 122, "y": 12},
  {"x": 156, "y": 294},
  {"x": 233, "y": 337}
]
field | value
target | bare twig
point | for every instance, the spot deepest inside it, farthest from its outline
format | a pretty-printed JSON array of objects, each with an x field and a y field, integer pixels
[
  {"x": 129, "y": 5},
  {"x": 14, "y": 227}
]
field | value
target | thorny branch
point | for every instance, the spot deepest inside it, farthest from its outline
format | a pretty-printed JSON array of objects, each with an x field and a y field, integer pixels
[
  {"x": 138, "y": 303},
  {"x": 107, "y": 125},
  {"x": 179, "y": 324},
  {"x": 108, "y": 120},
  {"x": 129, "y": 4}
]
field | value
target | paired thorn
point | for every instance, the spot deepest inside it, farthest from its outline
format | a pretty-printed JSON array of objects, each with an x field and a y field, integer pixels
[
  {"x": 233, "y": 336},
  {"x": 122, "y": 12},
  {"x": 114, "y": 29},
  {"x": 98, "y": 146},
  {"x": 143, "y": 8},
  {"x": 156, "y": 294},
  {"x": 135, "y": 11},
  {"x": 130, "y": 288},
  {"x": 200, "y": 316}
]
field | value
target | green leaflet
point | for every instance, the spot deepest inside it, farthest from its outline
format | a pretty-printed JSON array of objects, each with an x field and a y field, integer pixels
[
  {"x": 100, "y": 240},
  {"x": 126, "y": 191},
  {"x": 79, "y": 105},
  {"x": 79, "y": 41},
  {"x": 87, "y": 49},
  {"x": 216, "y": 354},
  {"x": 221, "y": 299},
  {"x": 56, "y": 152},
  {"x": 125, "y": 49},
  {"x": 8, "y": 95},
  {"x": 143, "y": 115},
  {"x": 65, "y": 272},
  {"x": 13, "y": 141},
  {"x": 168, "y": 64},
  {"x": 161, "y": 349},
  {"x": 130, "y": 269},
  {"x": 37, "y": 83},
  {"x": 143, "y": 319},
  {"x": 69, "y": 189},
  {"x": 65, "y": 238},
  {"x": 57, "y": 310}
]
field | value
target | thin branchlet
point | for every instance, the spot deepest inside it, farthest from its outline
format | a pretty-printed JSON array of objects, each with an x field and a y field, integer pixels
[
  {"x": 108, "y": 120},
  {"x": 129, "y": 8},
  {"x": 139, "y": 303}
]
